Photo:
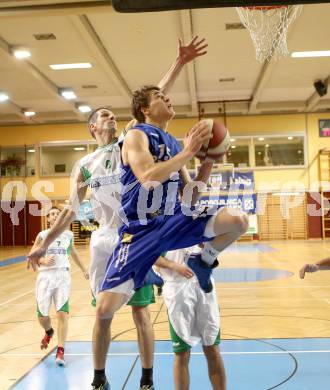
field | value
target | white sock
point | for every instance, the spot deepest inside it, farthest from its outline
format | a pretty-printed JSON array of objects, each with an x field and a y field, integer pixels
[{"x": 209, "y": 254}]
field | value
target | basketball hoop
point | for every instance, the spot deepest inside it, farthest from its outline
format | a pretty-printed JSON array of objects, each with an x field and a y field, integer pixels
[{"x": 268, "y": 27}]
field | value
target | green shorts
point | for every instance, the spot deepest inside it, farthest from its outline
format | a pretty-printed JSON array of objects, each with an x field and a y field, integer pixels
[
  {"x": 143, "y": 297},
  {"x": 179, "y": 345}
]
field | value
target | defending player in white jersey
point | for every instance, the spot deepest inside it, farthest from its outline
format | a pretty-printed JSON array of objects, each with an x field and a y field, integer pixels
[
  {"x": 53, "y": 284},
  {"x": 193, "y": 317}
]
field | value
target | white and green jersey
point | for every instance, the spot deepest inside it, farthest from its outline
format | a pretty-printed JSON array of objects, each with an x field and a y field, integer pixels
[
  {"x": 101, "y": 171},
  {"x": 61, "y": 247}
]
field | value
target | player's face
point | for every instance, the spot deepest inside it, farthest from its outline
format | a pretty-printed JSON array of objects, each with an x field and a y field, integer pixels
[
  {"x": 106, "y": 121},
  {"x": 52, "y": 216},
  {"x": 160, "y": 107}
]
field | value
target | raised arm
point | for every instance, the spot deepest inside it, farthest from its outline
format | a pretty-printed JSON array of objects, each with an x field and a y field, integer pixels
[
  {"x": 186, "y": 53},
  {"x": 136, "y": 153},
  {"x": 62, "y": 222}
]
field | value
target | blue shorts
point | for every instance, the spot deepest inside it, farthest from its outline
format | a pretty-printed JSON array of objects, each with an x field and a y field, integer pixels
[{"x": 139, "y": 246}]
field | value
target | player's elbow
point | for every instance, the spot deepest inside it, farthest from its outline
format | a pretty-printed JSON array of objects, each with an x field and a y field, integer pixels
[{"x": 149, "y": 180}]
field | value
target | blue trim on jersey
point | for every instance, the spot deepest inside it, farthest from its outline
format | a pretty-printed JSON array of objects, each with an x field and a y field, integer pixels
[{"x": 137, "y": 200}]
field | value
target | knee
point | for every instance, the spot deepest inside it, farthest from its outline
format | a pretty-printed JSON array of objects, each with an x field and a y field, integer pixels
[
  {"x": 62, "y": 315},
  {"x": 182, "y": 358},
  {"x": 103, "y": 312},
  {"x": 141, "y": 317},
  {"x": 241, "y": 223}
]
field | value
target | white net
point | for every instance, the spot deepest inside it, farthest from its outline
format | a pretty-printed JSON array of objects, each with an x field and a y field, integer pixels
[{"x": 268, "y": 27}]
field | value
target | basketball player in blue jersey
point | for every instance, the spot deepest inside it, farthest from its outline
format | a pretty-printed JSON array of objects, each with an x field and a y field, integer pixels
[{"x": 155, "y": 220}]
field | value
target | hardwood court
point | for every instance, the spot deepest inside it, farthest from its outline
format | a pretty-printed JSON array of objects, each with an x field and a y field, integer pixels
[{"x": 277, "y": 308}]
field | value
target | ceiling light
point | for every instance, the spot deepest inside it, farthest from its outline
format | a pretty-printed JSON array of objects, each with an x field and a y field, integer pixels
[
  {"x": 21, "y": 54},
  {"x": 68, "y": 94},
  {"x": 31, "y": 150},
  {"x": 259, "y": 153},
  {"x": 79, "y": 148},
  {"x": 84, "y": 108},
  {"x": 29, "y": 113},
  {"x": 309, "y": 54},
  {"x": 227, "y": 79},
  {"x": 3, "y": 97},
  {"x": 290, "y": 138},
  {"x": 267, "y": 145},
  {"x": 233, "y": 146},
  {"x": 232, "y": 139},
  {"x": 261, "y": 139},
  {"x": 82, "y": 65},
  {"x": 299, "y": 152}
]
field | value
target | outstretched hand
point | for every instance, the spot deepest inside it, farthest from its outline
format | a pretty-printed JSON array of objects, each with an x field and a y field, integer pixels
[
  {"x": 195, "y": 48},
  {"x": 308, "y": 268}
]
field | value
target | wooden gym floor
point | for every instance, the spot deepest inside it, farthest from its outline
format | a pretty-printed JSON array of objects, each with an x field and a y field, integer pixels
[{"x": 259, "y": 291}]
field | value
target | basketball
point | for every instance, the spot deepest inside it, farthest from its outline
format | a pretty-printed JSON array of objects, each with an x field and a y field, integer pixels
[{"x": 218, "y": 145}]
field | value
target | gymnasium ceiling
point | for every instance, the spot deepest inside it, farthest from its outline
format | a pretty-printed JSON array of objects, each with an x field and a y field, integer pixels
[{"x": 128, "y": 50}]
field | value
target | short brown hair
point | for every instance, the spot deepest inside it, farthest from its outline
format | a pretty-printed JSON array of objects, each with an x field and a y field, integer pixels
[
  {"x": 141, "y": 99},
  {"x": 93, "y": 117}
]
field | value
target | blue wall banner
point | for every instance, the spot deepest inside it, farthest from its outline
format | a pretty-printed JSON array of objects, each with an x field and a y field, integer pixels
[{"x": 244, "y": 202}]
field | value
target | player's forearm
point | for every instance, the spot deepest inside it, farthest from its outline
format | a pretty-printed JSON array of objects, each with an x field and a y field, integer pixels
[
  {"x": 61, "y": 224},
  {"x": 168, "y": 80},
  {"x": 324, "y": 264},
  {"x": 162, "y": 171},
  {"x": 162, "y": 262},
  {"x": 76, "y": 259},
  {"x": 203, "y": 177}
]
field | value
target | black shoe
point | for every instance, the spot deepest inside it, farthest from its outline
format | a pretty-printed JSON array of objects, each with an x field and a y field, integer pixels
[{"x": 105, "y": 386}]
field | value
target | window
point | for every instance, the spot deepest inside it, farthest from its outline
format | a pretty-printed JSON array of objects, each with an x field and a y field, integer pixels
[
  {"x": 279, "y": 151},
  {"x": 238, "y": 154},
  {"x": 59, "y": 159},
  {"x": 17, "y": 161}
]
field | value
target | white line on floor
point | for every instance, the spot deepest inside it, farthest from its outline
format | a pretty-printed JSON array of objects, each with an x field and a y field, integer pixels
[{"x": 171, "y": 353}]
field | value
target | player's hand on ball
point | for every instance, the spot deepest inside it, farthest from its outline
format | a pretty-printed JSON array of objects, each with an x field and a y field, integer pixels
[
  {"x": 196, "y": 136},
  {"x": 308, "y": 268}
]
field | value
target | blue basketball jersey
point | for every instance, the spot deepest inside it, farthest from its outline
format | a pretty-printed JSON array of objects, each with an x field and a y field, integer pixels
[{"x": 139, "y": 203}]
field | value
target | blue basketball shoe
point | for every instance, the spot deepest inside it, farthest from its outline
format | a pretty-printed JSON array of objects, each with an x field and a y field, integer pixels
[{"x": 202, "y": 270}]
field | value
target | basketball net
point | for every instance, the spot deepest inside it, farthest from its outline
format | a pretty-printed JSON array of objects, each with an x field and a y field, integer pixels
[{"x": 268, "y": 27}]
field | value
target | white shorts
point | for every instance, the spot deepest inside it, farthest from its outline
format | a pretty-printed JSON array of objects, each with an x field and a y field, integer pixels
[
  {"x": 193, "y": 314},
  {"x": 52, "y": 285},
  {"x": 102, "y": 244}
]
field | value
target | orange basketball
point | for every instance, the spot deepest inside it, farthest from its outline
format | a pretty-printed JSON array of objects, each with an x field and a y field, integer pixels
[{"x": 218, "y": 144}]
